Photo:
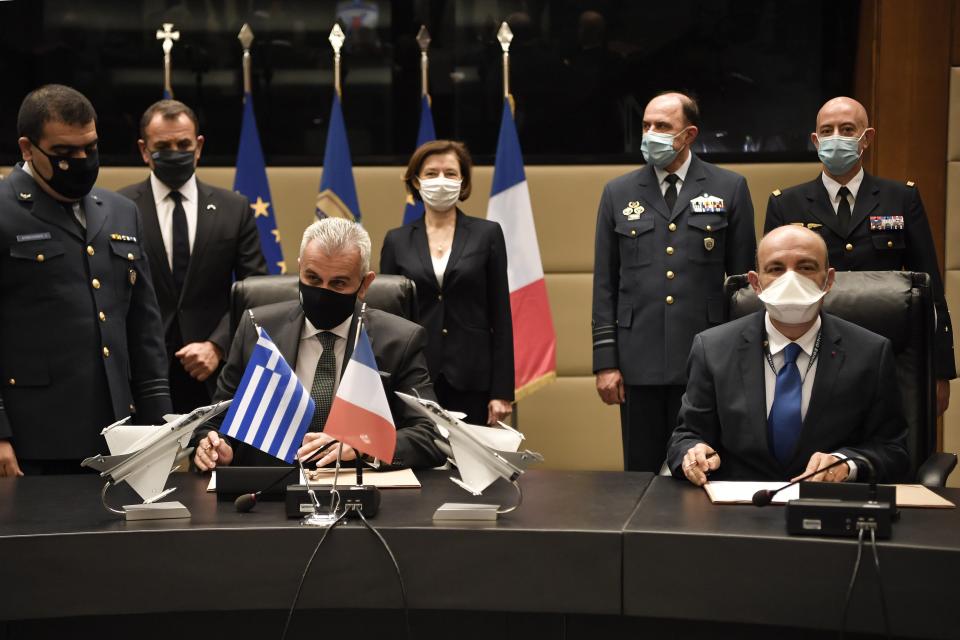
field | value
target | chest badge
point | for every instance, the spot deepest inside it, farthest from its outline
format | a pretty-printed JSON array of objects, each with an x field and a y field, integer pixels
[
  {"x": 633, "y": 210},
  {"x": 132, "y": 275},
  {"x": 709, "y": 244},
  {"x": 886, "y": 223},
  {"x": 708, "y": 204}
]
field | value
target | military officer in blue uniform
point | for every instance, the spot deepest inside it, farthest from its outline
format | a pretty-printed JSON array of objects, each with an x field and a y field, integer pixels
[
  {"x": 666, "y": 236},
  {"x": 81, "y": 342},
  {"x": 868, "y": 223}
]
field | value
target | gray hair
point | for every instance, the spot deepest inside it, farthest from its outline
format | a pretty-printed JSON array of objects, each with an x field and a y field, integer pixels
[{"x": 337, "y": 235}]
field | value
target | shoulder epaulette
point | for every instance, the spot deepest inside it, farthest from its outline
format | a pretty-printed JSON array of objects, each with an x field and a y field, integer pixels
[
  {"x": 777, "y": 192},
  {"x": 911, "y": 183}
]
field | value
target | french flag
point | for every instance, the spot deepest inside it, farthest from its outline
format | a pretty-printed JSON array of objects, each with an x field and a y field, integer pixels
[
  {"x": 534, "y": 339},
  {"x": 360, "y": 414}
]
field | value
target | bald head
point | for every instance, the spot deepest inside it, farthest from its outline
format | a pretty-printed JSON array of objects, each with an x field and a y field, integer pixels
[
  {"x": 842, "y": 116},
  {"x": 793, "y": 239}
]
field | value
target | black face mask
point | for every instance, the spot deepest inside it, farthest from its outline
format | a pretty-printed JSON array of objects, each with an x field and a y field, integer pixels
[
  {"x": 326, "y": 309},
  {"x": 173, "y": 168},
  {"x": 72, "y": 178}
]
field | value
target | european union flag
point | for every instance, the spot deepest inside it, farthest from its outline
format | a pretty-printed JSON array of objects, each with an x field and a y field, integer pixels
[
  {"x": 338, "y": 193},
  {"x": 251, "y": 181},
  {"x": 425, "y": 133}
]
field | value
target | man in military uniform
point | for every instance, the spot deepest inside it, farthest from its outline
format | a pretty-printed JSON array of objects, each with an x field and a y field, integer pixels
[
  {"x": 81, "y": 344},
  {"x": 666, "y": 236},
  {"x": 868, "y": 223}
]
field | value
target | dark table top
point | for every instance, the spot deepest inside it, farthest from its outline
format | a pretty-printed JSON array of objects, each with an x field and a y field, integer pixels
[
  {"x": 687, "y": 558},
  {"x": 560, "y": 552}
]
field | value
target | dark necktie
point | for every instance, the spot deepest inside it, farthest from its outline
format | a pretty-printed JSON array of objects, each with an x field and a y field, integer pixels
[
  {"x": 322, "y": 389},
  {"x": 670, "y": 195},
  {"x": 843, "y": 210},
  {"x": 72, "y": 214},
  {"x": 785, "y": 417},
  {"x": 181, "y": 241}
]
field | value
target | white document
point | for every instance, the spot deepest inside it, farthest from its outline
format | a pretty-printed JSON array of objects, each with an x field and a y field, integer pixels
[{"x": 729, "y": 492}]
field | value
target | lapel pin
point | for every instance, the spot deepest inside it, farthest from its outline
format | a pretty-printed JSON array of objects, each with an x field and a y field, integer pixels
[
  {"x": 211, "y": 207},
  {"x": 25, "y": 196}
]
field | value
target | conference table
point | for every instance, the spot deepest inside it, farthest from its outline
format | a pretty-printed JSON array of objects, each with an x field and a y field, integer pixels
[{"x": 586, "y": 553}]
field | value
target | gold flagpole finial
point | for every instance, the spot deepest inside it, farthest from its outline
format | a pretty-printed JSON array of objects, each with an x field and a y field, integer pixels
[
  {"x": 505, "y": 37},
  {"x": 336, "y": 41},
  {"x": 423, "y": 39},
  {"x": 168, "y": 35},
  {"x": 246, "y": 40}
]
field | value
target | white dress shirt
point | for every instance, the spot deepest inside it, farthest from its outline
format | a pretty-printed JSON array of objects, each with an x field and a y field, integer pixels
[
  {"x": 440, "y": 266},
  {"x": 681, "y": 173},
  {"x": 776, "y": 343},
  {"x": 165, "y": 204},
  {"x": 310, "y": 350},
  {"x": 833, "y": 189}
]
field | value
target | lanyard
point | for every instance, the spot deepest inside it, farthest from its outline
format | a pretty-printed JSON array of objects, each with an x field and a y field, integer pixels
[{"x": 813, "y": 357}]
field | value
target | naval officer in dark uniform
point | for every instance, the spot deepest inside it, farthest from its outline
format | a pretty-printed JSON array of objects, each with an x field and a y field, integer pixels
[
  {"x": 81, "y": 343},
  {"x": 666, "y": 236},
  {"x": 868, "y": 223}
]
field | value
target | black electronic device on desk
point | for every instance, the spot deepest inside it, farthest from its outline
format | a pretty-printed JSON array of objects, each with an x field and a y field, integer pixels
[
  {"x": 355, "y": 499},
  {"x": 266, "y": 483}
]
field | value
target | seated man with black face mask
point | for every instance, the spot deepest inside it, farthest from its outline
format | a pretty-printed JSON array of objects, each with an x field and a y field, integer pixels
[
  {"x": 315, "y": 337},
  {"x": 199, "y": 239},
  {"x": 785, "y": 392}
]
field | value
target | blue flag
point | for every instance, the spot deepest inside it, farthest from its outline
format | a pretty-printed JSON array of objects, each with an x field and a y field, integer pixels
[
  {"x": 425, "y": 133},
  {"x": 271, "y": 410},
  {"x": 338, "y": 193},
  {"x": 251, "y": 181}
]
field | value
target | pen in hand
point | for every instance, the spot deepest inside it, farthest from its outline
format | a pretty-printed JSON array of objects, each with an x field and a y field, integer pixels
[{"x": 693, "y": 464}]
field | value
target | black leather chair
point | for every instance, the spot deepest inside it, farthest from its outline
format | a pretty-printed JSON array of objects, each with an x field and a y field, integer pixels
[
  {"x": 897, "y": 305},
  {"x": 394, "y": 294}
]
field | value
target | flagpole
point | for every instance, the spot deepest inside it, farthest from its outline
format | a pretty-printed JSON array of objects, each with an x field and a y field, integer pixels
[
  {"x": 423, "y": 39},
  {"x": 505, "y": 37},
  {"x": 336, "y": 41},
  {"x": 168, "y": 35},
  {"x": 246, "y": 40}
]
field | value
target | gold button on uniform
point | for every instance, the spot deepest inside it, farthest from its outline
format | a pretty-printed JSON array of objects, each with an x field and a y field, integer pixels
[
  {"x": 90, "y": 250},
  {"x": 40, "y": 257},
  {"x": 106, "y": 352},
  {"x": 443, "y": 331},
  {"x": 669, "y": 299},
  {"x": 669, "y": 251},
  {"x": 671, "y": 275},
  {"x": 849, "y": 247},
  {"x": 439, "y": 296},
  {"x": 633, "y": 232},
  {"x": 12, "y": 381},
  {"x": 95, "y": 283},
  {"x": 130, "y": 256},
  {"x": 102, "y": 316},
  {"x": 889, "y": 244},
  {"x": 672, "y": 227},
  {"x": 709, "y": 228}
]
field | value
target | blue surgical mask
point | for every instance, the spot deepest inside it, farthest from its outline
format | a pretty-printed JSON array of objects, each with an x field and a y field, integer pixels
[
  {"x": 839, "y": 154},
  {"x": 657, "y": 148}
]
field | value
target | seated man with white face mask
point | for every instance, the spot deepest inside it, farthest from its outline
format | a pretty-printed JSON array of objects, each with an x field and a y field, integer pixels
[{"x": 786, "y": 391}]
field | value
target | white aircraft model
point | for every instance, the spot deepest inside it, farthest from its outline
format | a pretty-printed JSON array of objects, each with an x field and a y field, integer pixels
[
  {"x": 144, "y": 456},
  {"x": 482, "y": 454}
]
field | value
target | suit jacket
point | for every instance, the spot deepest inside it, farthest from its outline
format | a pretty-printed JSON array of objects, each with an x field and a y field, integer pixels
[
  {"x": 398, "y": 348},
  {"x": 854, "y": 405},
  {"x": 81, "y": 343},
  {"x": 861, "y": 248},
  {"x": 468, "y": 319},
  {"x": 226, "y": 248},
  {"x": 658, "y": 274}
]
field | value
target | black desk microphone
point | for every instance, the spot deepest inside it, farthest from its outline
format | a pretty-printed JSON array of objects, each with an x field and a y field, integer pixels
[{"x": 765, "y": 496}]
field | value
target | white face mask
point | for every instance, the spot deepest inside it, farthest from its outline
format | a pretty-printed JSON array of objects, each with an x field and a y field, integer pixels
[
  {"x": 792, "y": 298},
  {"x": 440, "y": 193}
]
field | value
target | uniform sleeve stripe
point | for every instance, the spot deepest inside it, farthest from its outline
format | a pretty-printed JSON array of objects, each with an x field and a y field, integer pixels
[{"x": 597, "y": 343}]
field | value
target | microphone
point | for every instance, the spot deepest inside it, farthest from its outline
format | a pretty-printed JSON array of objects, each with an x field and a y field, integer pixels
[
  {"x": 248, "y": 501},
  {"x": 765, "y": 496}
]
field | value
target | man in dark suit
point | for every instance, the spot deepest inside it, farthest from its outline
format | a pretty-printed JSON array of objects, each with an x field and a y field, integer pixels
[
  {"x": 80, "y": 335},
  {"x": 315, "y": 336},
  {"x": 868, "y": 223},
  {"x": 789, "y": 390},
  {"x": 200, "y": 239},
  {"x": 666, "y": 236}
]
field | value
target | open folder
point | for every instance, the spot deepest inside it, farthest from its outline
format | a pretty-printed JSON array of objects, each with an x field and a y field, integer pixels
[{"x": 729, "y": 492}]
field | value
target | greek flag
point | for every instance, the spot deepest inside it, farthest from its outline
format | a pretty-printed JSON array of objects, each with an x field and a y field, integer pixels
[{"x": 271, "y": 410}]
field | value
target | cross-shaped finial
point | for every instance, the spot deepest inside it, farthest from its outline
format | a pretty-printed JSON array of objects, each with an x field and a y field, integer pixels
[
  {"x": 337, "y": 38},
  {"x": 505, "y": 37},
  {"x": 423, "y": 38},
  {"x": 168, "y": 35}
]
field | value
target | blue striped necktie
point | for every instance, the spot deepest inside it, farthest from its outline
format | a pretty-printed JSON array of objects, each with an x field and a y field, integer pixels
[{"x": 785, "y": 419}]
